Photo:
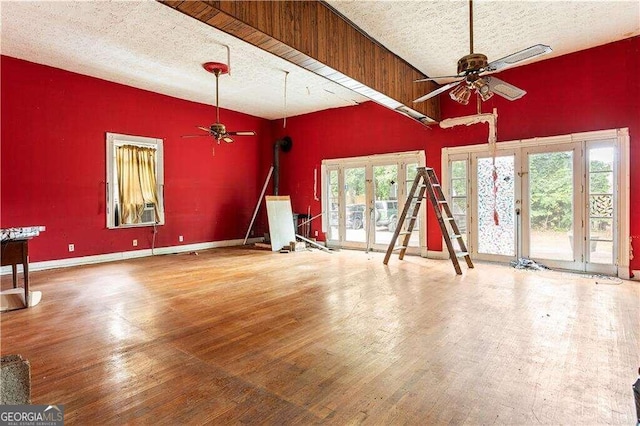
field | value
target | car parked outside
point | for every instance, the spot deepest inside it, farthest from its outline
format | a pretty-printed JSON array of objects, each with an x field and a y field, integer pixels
[
  {"x": 387, "y": 214},
  {"x": 355, "y": 216}
]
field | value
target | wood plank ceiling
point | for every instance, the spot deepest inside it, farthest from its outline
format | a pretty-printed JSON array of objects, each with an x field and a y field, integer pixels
[{"x": 311, "y": 35}]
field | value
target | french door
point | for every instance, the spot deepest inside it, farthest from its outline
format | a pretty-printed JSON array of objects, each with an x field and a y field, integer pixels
[
  {"x": 553, "y": 206},
  {"x": 364, "y": 197},
  {"x": 494, "y": 204},
  {"x": 555, "y": 203}
]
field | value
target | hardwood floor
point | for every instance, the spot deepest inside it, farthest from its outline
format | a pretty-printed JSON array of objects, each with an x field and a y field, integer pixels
[{"x": 239, "y": 335}]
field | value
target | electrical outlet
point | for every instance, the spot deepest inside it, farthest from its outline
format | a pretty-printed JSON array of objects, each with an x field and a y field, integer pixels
[
  {"x": 181, "y": 238},
  {"x": 72, "y": 247},
  {"x": 316, "y": 233},
  {"x": 135, "y": 243}
]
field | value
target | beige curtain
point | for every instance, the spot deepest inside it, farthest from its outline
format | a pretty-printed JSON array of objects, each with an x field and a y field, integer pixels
[{"x": 137, "y": 181}]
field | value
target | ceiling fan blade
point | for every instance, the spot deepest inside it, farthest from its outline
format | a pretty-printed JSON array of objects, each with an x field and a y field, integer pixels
[
  {"x": 436, "y": 92},
  {"x": 436, "y": 78},
  {"x": 523, "y": 55},
  {"x": 196, "y": 136},
  {"x": 504, "y": 89},
  {"x": 242, "y": 133},
  {"x": 227, "y": 138},
  {"x": 206, "y": 129}
]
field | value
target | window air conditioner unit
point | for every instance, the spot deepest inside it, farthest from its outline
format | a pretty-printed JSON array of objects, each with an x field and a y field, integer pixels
[{"x": 148, "y": 214}]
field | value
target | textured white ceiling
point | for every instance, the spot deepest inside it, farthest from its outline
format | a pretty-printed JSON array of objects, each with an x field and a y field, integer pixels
[
  {"x": 432, "y": 35},
  {"x": 151, "y": 46}
]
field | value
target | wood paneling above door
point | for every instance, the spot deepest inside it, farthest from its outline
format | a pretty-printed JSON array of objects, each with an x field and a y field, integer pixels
[{"x": 311, "y": 35}]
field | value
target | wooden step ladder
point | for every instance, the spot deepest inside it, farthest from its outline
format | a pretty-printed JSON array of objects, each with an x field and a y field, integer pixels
[{"x": 427, "y": 181}]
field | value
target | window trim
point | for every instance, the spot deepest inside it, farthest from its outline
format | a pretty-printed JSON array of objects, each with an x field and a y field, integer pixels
[{"x": 113, "y": 140}]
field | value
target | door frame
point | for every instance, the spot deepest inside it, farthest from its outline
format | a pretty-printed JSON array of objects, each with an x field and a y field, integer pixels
[
  {"x": 621, "y": 141},
  {"x": 578, "y": 195},
  {"x": 401, "y": 159}
]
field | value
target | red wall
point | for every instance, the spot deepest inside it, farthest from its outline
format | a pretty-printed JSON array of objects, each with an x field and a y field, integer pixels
[
  {"x": 53, "y": 146},
  {"x": 336, "y": 133},
  {"x": 589, "y": 90},
  {"x": 53, "y": 162}
]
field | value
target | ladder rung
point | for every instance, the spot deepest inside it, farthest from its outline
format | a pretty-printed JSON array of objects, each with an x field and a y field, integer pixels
[{"x": 426, "y": 179}]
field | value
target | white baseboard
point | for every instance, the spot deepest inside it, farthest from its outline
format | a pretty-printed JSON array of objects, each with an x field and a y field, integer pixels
[{"x": 110, "y": 257}]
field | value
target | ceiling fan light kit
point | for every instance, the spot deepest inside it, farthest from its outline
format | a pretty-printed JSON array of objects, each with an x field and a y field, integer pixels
[
  {"x": 483, "y": 89},
  {"x": 472, "y": 70},
  {"x": 461, "y": 94}
]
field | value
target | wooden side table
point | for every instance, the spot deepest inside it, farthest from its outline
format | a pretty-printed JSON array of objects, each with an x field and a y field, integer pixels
[{"x": 13, "y": 253}]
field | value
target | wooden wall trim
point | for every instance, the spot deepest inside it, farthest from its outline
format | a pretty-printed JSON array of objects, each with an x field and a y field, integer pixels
[{"x": 309, "y": 34}]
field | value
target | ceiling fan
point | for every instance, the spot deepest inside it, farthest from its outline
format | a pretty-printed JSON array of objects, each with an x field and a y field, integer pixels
[
  {"x": 217, "y": 129},
  {"x": 473, "y": 69}
]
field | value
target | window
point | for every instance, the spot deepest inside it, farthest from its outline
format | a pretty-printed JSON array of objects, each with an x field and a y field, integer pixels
[{"x": 135, "y": 181}]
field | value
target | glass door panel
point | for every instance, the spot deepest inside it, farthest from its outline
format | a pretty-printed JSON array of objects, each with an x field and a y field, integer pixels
[
  {"x": 458, "y": 198},
  {"x": 414, "y": 240},
  {"x": 354, "y": 202},
  {"x": 334, "y": 205},
  {"x": 551, "y": 209},
  {"x": 601, "y": 206},
  {"x": 496, "y": 224},
  {"x": 385, "y": 191}
]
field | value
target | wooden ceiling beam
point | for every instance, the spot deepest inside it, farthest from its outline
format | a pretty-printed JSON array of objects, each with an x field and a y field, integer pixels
[{"x": 311, "y": 35}]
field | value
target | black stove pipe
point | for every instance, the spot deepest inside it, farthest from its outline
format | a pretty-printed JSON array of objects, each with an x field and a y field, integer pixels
[{"x": 283, "y": 145}]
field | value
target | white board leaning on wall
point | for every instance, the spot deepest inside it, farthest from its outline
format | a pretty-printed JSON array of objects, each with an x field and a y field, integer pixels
[{"x": 280, "y": 216}]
